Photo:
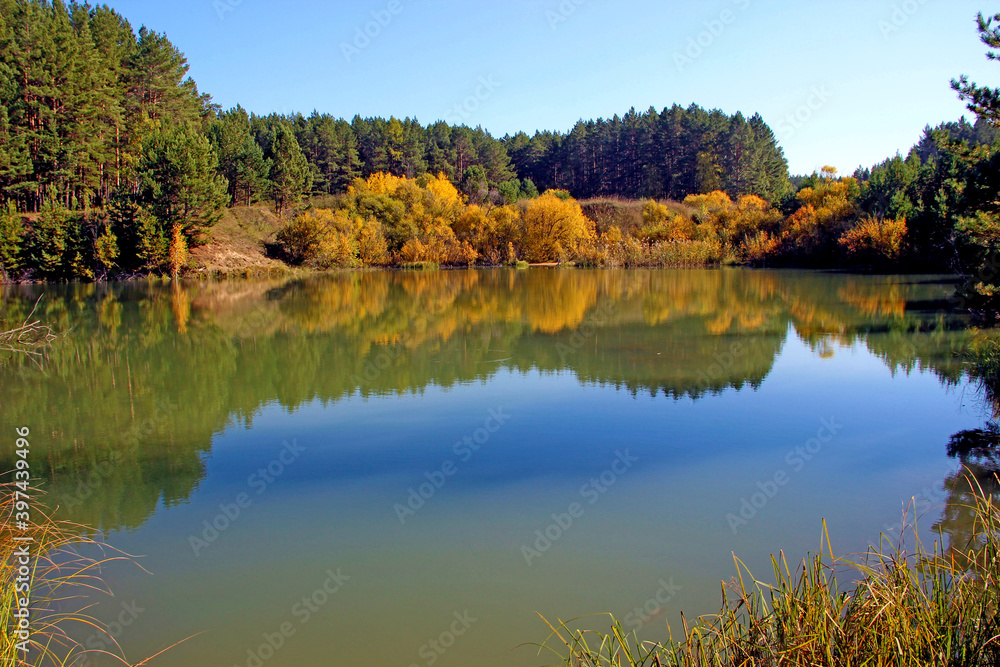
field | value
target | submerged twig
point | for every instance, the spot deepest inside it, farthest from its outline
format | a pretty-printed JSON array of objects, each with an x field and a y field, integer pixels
[{"x": 28, "y": 338}]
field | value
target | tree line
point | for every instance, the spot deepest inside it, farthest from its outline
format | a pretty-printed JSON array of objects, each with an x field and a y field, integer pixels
[
  {"x": 112, "y": 162},
  {"x": 120, "y": 162},
  {"x": 662, "y": 155}
]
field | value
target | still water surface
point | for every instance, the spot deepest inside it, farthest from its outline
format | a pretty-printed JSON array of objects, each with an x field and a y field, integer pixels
[{"x": 403, "y": 468}]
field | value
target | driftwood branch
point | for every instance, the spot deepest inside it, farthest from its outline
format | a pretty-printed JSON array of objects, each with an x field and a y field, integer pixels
[{"x": 28, "y": 338}]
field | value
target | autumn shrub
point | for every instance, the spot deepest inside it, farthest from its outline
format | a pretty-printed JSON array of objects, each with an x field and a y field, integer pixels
[
  {"x": 553, "y": 228},
  {"x": 814, "y": 232},
  {"x": 876, "y": 239},
  {"x": 760, "y": 247},
  {"x": 417, "y": 220},
  {"x": 414, "y": 251},
  {"x": 609, "y": 212},
  {"x": 321, "y": 239},
  {"x": 460, "y": 253},
  {"x": 824, "y": 214},
  {"x": 747, "y": 217},
  {"x": 106, "y": 249},
  {"x": 178, "y": 251},
  {"x": 373, "y": 250},
  {"x": 661, "y": 223},
  {"x": 495, "y": 240},
  {"x": 471, "y": 223}
]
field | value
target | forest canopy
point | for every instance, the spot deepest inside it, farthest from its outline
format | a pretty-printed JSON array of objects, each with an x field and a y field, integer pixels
[{"x": 113, "y": 163}]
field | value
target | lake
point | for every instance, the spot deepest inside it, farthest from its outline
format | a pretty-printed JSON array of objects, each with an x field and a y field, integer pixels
[{"x": 402, "y": 468}]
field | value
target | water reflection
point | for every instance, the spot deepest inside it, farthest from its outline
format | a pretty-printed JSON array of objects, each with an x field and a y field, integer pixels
[
  {"x": 978, "y": 476},
  {"x": 149, "y": 373}
]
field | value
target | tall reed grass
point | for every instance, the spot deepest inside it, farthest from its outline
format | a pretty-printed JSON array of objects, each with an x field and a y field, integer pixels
[
  {"x": 62, "y": 583},
  {"x": 926, "y": 607}
]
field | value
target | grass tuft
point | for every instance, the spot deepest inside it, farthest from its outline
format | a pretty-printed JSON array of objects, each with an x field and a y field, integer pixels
[
  {"x": 930, "y": 607},
  {"x": 61, "y": 582}
]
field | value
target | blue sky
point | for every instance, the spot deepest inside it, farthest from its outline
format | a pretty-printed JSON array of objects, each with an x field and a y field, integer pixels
[{"x": 846, "y": 83}]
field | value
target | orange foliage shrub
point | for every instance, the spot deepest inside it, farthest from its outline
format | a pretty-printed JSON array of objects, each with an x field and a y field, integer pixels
[
  {"x": 760, "y": 247},
  {"x": 876, "y": 238}
]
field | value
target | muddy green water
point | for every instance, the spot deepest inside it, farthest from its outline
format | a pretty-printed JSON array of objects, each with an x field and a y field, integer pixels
[{"x": 403, "y": 468}]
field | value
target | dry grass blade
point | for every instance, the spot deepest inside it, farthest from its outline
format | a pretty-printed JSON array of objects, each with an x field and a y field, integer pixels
[
  {"x": 62, "y": 581},
  {"x": 933, "y": 607}
]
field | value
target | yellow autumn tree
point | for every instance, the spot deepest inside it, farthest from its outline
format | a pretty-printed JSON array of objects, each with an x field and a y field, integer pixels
[
  {"x": 178, "y": 253},
  {"x": 382, "y": 183},
  {"x": 553, "y": 229},
  {"x": 373, "y": 250}
]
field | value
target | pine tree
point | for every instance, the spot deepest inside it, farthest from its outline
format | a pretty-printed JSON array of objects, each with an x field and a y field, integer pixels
[
  {"x": 179, "y": 180},
  {"x": 290, "y": 176},
  {"x": 982, "y": 100},
  {"x": 11, "y": 231},
  {"x": 241, "y": 159},
  {"x": 157, "y": 87}
]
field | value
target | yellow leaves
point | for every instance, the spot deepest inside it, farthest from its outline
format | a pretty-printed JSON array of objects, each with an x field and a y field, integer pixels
[
  {"x": 177, "y": 256},
  {"x": 470, "y": 223},
  {"x": 655, "y": 213},
  {"x": 494, "y": 238},
  {"x": 660, "y": 223},
  {"x": 105, "y": 248},
  {"x": 752, "y": 203},
  {"x": 760, "y": 247},
  {"x": 372, "y": 247},
  {"x": 832, "y": 199},
  {"x": 438, "y": 250},
  {"x": 682, "y": 228},
  {"x": 876, "y": 238},
  {"x": 414, "y": 251},
  {"x": 322, "y": 238},
  {"x": 613, "y": 235},
  {"x": 802, "y": 229},
  {"x": 384, "y": 184},
  {"x": 826, "y": 210},
  {"x": 553, "y": 227},
  {"x": 335, "y": 249},
  {"x": 444, "y": 191},
  {"x": 711, "y": 202}
]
